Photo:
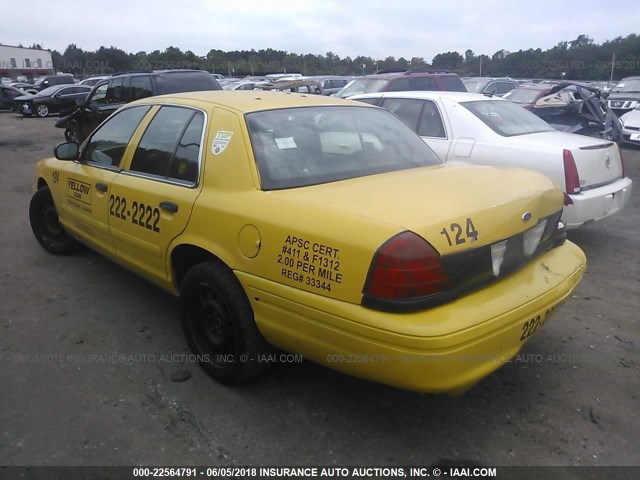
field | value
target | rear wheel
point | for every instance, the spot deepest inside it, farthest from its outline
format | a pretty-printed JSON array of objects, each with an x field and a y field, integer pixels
[
  {"x": 42, "y": 111},
  {"x": 46, "y": 226},
  {"x": 218, "y": 322}
]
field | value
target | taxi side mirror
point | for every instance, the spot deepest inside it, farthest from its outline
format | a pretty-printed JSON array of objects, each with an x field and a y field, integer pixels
[{"x": 66, "y": 151}]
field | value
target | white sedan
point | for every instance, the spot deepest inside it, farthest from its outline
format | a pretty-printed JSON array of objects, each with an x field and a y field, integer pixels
[
  {"x": 631, "y": 126},
  {"x": 491, "y": 131}
]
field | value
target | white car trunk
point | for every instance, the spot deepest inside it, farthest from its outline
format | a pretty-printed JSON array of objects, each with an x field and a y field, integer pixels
[
  {"x": 598, "y": 161},
  {"x": 598, "y": 164}
]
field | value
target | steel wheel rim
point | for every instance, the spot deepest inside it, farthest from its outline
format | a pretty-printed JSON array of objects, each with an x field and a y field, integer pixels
[
  {"x": 52, "y": 231},
  {"x": 212, "y": 319}
]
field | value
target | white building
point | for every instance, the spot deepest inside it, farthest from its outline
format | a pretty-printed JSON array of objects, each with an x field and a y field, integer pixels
[{"x": 24, "y": 62}]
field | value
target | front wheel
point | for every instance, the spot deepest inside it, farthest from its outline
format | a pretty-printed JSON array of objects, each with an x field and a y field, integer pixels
[
  {"x": 42, "y": 111},
  {"x": 46, "y": 226},
  {"x": 218, "y": 323}
]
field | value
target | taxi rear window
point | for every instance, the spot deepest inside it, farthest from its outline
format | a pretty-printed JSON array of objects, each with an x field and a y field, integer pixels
[{"x": 296, "y": 147}]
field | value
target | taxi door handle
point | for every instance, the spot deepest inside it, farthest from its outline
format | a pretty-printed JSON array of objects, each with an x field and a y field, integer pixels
[
  {"x": 169, "y": 207},
  {"x": 103, "y": 187}
]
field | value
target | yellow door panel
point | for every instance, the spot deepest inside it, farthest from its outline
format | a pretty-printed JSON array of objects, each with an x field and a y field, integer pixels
[
  {"x": 83, "y": 202},
  {"x": 151, "y": 213},
  {"x": 151, "y": 200}
]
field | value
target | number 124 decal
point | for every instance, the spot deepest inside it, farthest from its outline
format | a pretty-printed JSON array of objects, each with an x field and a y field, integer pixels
[{"x": 459, "y": 235}]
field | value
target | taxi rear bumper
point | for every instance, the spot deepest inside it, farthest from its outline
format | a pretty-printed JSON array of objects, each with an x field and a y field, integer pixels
[{"x": 443, "y": 349}]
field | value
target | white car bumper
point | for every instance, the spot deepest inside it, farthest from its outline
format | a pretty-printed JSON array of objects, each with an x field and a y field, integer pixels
[
  {"x": 598, "y": 203},
  {"x": 631, "y": 134}
]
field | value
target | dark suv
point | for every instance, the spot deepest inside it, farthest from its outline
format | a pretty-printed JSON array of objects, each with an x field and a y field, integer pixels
[
  {"x": 388, "y": 81},
  {"x": 109, "y": 95},
  {"x": 625, "y": 96}
]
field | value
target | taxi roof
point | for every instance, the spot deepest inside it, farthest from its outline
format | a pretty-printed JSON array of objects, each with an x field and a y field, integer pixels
[{"x": 247, "y": 100}]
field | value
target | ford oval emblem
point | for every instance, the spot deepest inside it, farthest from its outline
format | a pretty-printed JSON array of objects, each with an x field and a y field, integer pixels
[{"x": 526, "y": 216}]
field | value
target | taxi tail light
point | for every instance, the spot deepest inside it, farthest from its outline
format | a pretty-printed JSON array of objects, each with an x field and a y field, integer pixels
[
  {"x": 406, "y": 267},
  {"x": 571, "y": 178}
]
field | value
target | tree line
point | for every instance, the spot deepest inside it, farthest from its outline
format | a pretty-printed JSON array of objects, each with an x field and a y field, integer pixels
[{"x": 579, "y": 59}]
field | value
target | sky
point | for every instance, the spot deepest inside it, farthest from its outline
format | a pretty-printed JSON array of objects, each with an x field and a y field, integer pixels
[{"x": 372, "y": 28}]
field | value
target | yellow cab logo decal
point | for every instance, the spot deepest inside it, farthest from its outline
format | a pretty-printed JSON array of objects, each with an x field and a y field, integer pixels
[{"x": 79, "y": 191}]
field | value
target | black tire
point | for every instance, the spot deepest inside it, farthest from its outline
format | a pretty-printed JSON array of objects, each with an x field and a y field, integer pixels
[
  {"x": 218, "y": 322},
  {"x": 42, "y": 110},
  {"x": 46, "y": 226}
]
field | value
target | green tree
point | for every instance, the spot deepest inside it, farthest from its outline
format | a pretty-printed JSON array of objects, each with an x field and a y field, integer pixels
[{"x": 448, "y": 60}]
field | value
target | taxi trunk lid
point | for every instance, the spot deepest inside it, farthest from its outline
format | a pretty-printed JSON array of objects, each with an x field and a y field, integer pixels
[{"x": 453, "y": 207}]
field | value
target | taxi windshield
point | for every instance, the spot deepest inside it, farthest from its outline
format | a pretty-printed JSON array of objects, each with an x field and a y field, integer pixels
[{"x": 296, "y": 147}]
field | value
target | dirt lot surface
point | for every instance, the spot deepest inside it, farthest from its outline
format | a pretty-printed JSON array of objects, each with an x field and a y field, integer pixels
[{"x": 87, "y": 351}]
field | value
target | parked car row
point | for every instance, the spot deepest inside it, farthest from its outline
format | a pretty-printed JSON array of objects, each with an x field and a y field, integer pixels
[
  {"x": 324, "y": 85},
  {"x": 391, "y": 81},
  {"x": 54, "y": 99}
]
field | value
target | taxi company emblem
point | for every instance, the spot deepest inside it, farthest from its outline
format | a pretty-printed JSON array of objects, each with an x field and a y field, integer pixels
[{"x": 221, "y": 142}]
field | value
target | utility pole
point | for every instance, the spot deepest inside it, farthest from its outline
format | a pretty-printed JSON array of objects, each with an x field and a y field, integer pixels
[
  {"x": 480, "y": 65},
  {"x": 613, "y": 62}
]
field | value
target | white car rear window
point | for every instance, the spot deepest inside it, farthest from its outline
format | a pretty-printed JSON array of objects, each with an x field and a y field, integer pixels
[{"x": 506, "y": 118}]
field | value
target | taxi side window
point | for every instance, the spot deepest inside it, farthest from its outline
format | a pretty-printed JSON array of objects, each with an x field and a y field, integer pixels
[
  {"x": 107, "y": 145},
  {"x": 170, "y": 147}
]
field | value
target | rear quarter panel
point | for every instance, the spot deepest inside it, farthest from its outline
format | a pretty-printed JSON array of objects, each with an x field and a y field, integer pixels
[{"x": 310, "y": 247}]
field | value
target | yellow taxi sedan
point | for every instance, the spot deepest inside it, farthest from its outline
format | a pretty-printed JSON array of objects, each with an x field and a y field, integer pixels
[{"x": 320, "y": 226}]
